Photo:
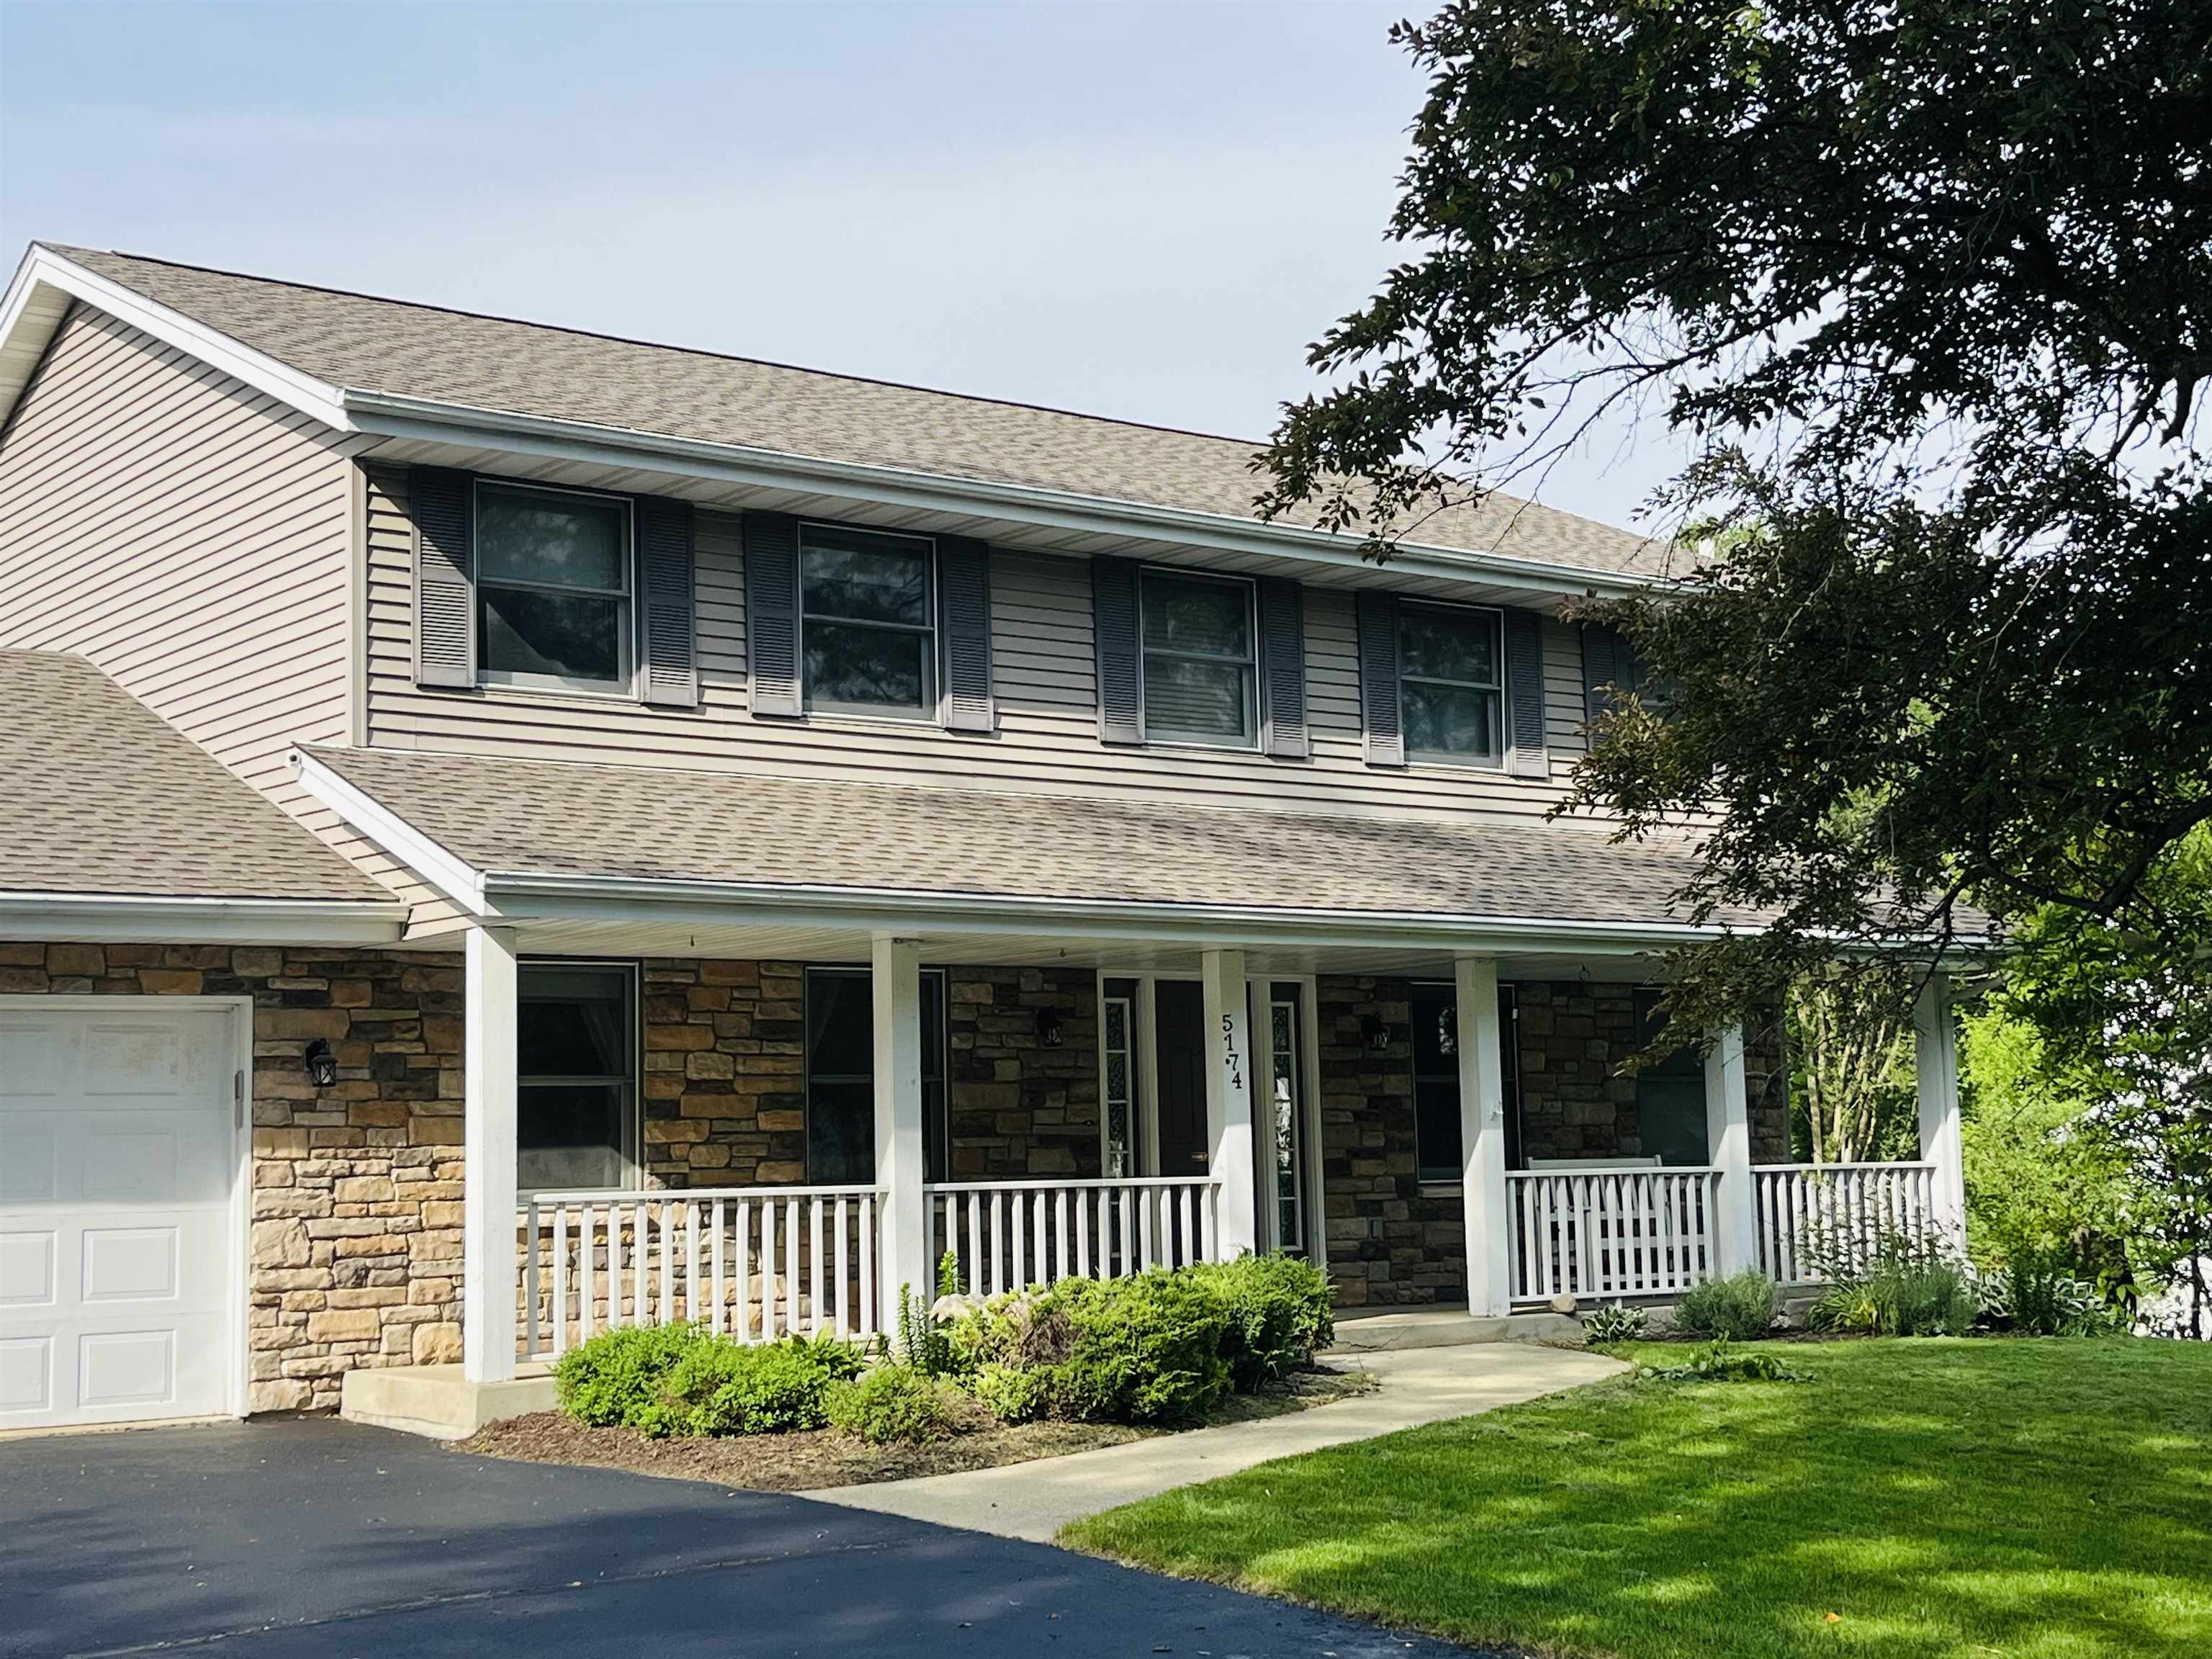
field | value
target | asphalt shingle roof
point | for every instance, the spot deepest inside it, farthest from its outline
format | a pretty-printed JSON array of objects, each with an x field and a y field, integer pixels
[
  {"x": 98, "y": 795},
  {"x": 361, "y": 343},
  {"x": 540, "y": 817}
]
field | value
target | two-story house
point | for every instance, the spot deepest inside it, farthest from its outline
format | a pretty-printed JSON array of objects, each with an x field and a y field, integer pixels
[{"x": 634, "y": 833}]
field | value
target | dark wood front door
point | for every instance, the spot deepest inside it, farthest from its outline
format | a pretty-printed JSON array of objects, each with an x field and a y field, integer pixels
[{"x": 1179, "y": 1021}]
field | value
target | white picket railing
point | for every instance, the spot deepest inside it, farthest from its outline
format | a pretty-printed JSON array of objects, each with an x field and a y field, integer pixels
[
  {"x": 1809, "y": 1214},
  {"x": 1004, "y": 1235},
  {"x": 758, "y": 1262},
  {"x": 1611, "y": 1233}
]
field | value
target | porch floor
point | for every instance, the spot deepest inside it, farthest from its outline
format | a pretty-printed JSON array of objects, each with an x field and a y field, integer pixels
[{"x": 1385, "y": 1330}]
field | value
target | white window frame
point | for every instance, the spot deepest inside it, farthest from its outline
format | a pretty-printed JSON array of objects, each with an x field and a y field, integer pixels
[
  {"x": 931, "y": 709},
  {"x": 632, "y": 1150},
  {"x": 1254, "y": 705},
  {"x": 1494, "y": 762},
  {"x": 625, "y": 636}
]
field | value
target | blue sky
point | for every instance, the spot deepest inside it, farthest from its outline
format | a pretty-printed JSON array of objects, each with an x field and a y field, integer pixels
[{"x": 1138, "y": 210}]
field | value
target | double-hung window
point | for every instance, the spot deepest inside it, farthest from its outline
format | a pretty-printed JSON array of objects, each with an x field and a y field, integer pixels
[
  {"x": 840, "y": 1078},
  {"x": 865, "y": 625},
  {"x": 1438, "y": 1148},
  {"x": 1197, "y": 636},
  {"x": 576, "y": 1032},
  {"x": 554, "y": 588},
  {"x": 1451, "y": 661}
]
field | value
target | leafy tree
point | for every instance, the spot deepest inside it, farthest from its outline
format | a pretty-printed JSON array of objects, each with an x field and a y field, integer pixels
[
  {"x": 1929, "y": 282},
  {"x": 2126, "y": 1019},
  {"x": 1851, "y": 1098}
]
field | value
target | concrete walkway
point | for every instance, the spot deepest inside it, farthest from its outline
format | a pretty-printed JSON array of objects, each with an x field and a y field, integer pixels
[{"x": 1035, "y": 1500}]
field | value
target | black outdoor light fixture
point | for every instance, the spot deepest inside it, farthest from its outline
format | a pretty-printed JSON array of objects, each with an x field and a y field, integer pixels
[
  {"x": 1050, "y": 1032},
  {"x": 322, "y": 1064},
  {"x": 1375, "y": 1032}
]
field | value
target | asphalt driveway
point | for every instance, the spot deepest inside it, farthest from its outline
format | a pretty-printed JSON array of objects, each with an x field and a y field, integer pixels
[{"x": 318, "y": 1537}]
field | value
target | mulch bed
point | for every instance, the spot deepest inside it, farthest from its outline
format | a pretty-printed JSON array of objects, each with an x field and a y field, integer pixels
[{"x": 808, "y": 1460}]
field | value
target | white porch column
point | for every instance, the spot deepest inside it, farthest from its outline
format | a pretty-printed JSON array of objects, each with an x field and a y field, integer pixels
[
  {"x": 1482, "y": 1137},
  {"x": 1727, "y": 1137},
  {"x": 902, "y": 1258},
  {"x": 489, "y": 1263},
  {"x": 1229, "y": 1101},
  {"x": 1936, "y": 1071}
]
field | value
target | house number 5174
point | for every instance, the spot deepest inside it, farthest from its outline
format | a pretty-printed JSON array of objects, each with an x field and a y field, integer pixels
[{"x": 1229, "y": 1056}]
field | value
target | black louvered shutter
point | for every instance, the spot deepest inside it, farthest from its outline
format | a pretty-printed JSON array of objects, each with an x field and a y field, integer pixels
[
  {"x": 1607, "y": 659},
  {"x": 1283, "y": 643},
  {"x": 1113, "y": 638},
  {"x": 1378, "y": 679},
  {"x": 441, "y": 505},
  {"x": 1524, "y": 694},
  {"x": 964, "y": 588},
  {"x": 664, "y": 535},
  {"x": 772, "y": 614}
]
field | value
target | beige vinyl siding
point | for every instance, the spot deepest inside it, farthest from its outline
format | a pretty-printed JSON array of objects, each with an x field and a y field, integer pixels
[
  {"x": 191, "y": 538},
  {"x": 1044, "y": 676}
]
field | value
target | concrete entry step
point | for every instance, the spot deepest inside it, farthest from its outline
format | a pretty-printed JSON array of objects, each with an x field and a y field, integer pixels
[
  {"x": 439, "y": 1401},
  {"x": 1446, "y": 1328}
]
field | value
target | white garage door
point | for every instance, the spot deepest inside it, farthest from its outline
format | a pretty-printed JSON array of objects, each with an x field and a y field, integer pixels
[{"x": 116, "y": 1166}]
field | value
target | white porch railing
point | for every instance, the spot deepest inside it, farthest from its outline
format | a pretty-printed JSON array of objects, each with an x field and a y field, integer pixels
[
  {"x": 1007, "y": 1234},
  {"x": 1611, "y": 1233},
  {"x": 1809, "y": 1213},
  {"x": 758, "y": 1262}
]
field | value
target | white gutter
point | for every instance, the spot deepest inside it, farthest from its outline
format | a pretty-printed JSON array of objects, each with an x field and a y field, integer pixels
[
  {"x": 156, "y": 918},
  {"x": 388, "y": 414}
]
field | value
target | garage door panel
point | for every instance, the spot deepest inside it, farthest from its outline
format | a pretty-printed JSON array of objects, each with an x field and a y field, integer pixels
[
  {"x": 26, "y": 1378},
  {"x": 41, "y": 1057},
  {"x": 30, "y": 1173},
  {"x": 26, "y": 1270},
  {"x": 116, "y": 1248}
]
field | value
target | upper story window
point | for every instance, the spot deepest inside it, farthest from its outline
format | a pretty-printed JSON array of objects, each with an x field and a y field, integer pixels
[
  {"x": 1200, "y": 679},
  {"x": 1451, "y": 683},
  {"x": 554, "y": 588},
  {"x": 865, "y": 610}
]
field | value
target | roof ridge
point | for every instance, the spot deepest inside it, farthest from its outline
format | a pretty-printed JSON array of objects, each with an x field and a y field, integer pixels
[{"x": 66, "y": 250}]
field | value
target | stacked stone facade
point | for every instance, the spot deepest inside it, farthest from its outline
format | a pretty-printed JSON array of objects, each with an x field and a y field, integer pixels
[
  {"x": 356, "y": 1207},
  {"x": 1019, "y": 1106},
  {"x": 1394, "y": 1241}
]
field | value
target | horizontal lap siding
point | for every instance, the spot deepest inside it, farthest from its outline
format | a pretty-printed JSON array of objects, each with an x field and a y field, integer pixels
[
  {"x": 191, "y": 537},
  {"x": 1043, "y": 676}
]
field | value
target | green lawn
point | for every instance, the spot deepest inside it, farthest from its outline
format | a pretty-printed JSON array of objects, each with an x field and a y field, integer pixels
[{"x": 2035, "y": 1500}]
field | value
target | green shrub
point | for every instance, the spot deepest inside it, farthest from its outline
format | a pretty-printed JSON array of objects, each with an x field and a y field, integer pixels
[
  {"x": 724, "y": 1386},
  {"x": 894, "y": 1404},
  {"x": 1740, "y": 1307},
  {"x": 1011, "y": 1393},
  {"x": 1278, "y": 1312},
  {"x": 616, "y": 1377},
  {"x": 2037, "y": 1297},
  {"x": 1615, "y": 1321},
  {"x": 1905, "y": 1283},
  {"x": 1141, "y": 1350}
]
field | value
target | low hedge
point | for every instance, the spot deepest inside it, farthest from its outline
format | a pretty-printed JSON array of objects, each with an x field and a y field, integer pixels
[{"x": 683, "y": 1379}]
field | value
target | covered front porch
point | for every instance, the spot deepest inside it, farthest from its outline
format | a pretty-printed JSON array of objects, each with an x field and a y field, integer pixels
[{"x": 812, "y": 1135}]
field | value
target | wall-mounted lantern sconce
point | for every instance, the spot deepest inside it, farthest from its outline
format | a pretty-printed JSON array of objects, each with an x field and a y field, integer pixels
[
  {"x": 1050, "y": 1032},
  {"x": 322, "y": 1064},
  {"x": 1376, "y": 1033}
]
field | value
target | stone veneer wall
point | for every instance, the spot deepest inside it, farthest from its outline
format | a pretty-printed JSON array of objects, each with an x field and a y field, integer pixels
[
  {"x": 1577, "y": 1102},
  {"x": 1391, "y": 1241},
  {"x": 356, "y": 1187},
  {"x": 725, "y": 1072}
]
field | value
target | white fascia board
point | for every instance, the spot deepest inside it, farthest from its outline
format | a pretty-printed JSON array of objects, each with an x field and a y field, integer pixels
[
  {"x": 384, "y": 415},
  {"x": 42, "y": 268},
  {"x": 162, "y": 920},
  {"x": 523, "y": 897},
  {"x": 451, "y": 874}
]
